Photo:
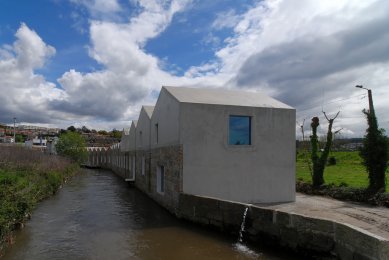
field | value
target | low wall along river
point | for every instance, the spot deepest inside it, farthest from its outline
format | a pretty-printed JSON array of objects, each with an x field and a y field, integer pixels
[{"x": 305, "y": 235}]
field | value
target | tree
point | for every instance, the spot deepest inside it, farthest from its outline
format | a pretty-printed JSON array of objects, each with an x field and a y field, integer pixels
[
  {"x": 20, "y": 138},
  {"x": 116, "y": 133},
  {"x": 102, "y": 132},
  {"x": 72, "y": 128},
  {"x": 84, "y": 129},
  {"x": 72, "y": 145},
  {"x": 319, "y": 162},
  {"x": 374, "y": 153}
]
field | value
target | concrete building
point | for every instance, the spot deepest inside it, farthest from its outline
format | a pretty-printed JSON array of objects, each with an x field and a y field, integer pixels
[
  {"x": 231, "y": 145},
  {"x": 236, "y": 145},
  {"x": 143, "y": 128},
  {"x": 7, "y": 139},
  {"x": 125, "y": 141}
]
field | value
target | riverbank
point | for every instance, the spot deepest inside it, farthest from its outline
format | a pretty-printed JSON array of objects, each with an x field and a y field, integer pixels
[{"x": 27, "y": 177}]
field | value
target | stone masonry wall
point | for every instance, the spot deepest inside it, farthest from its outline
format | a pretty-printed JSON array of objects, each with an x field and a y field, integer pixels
[
  {"x": 305, "y": 235},
  {"x": 171, "y": 158},
  {"x": 143, "y": 180}
]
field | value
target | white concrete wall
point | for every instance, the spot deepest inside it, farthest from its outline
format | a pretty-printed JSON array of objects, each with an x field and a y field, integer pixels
[
  {"x": 262, "y": 172},
  {"x": 125, "y": 142},
  {"x": 132, "y": 137},
  {"x": 143, "y": 126},
  {"x": 166, "y": 115}
]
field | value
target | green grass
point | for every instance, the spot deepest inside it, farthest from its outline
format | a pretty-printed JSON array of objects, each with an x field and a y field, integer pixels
[{"x": 348, "y": 170}]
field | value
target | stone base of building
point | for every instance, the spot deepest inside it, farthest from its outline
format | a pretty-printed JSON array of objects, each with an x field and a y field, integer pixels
[{"x": 148, "y": 163}]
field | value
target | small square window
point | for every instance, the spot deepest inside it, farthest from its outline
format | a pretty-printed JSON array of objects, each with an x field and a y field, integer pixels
[{"x": 239, "y": 130}]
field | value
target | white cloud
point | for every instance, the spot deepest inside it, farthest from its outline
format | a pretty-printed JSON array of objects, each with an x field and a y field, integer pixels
[
  {"x": 31, "y": 51},
  {"x": 24, "y": 93},
  {"x": 226, "y": 19},
  {"x": 99, "y": 8},
  {"x": 129, "y": 74}
]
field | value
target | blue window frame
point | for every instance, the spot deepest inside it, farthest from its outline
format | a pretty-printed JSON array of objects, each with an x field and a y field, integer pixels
[{"x": 239, "y": 130}]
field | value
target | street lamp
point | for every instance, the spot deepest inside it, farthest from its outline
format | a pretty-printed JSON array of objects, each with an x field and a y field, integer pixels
[
  {"x": 371, "y": 107},
  {"x": 15, "y": 130}
]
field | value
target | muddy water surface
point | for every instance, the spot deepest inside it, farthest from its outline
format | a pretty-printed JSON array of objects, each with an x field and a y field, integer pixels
[{"x": 98, "y": 216}]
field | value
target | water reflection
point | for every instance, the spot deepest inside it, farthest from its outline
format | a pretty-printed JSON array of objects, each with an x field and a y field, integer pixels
[{"x": 98, "y": 216}]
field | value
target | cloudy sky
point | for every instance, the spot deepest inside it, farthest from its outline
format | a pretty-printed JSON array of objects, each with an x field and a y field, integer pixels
[{"x": 95, "y": 62}]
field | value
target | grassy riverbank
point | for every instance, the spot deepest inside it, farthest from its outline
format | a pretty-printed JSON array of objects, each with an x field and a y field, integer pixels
[
  {"x": 348, "y": 171},
  {"x": 346, "y": 180},
  {"x": 27, "y": 177}
]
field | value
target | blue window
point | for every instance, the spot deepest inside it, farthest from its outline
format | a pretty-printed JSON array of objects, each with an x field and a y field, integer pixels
[{"x": 239, "y": 130}]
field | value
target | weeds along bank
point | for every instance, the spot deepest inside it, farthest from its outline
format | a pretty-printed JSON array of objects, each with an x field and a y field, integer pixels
[{"x": 27, "y": 177}]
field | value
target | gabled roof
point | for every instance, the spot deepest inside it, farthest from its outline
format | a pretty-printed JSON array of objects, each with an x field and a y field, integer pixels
[
  {"x": 149, "y": 110},
  {"x": 224, "y": 97},
  {"x": 135, "y": 122},
  {"x": 126, "y": 131}
]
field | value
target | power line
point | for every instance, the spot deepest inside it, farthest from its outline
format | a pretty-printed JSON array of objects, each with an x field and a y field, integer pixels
[{"x": 331, "y": 102}]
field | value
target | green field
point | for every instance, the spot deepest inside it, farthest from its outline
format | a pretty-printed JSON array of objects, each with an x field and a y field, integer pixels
[{"x": 348, "y": 170}]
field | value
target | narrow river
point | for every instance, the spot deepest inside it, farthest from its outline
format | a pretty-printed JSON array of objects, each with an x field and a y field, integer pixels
[{"x": 98, "y": 216}]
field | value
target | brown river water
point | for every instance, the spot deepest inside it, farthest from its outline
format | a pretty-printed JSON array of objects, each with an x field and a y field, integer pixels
[{"x": 98, "y": 216}]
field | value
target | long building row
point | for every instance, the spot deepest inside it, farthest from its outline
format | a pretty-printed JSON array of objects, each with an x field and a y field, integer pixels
[{"x": 231, "y": 145}]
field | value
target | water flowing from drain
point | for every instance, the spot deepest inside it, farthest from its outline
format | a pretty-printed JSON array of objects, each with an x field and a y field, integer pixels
[
  {"x": 242, "y": 226},
  {"x": 239, "y": 246}
]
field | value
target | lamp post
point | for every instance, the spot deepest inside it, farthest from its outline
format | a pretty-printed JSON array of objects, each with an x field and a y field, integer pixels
[
  {"x": 15, "y": 130},
  {"x": 371, "y": 107}
]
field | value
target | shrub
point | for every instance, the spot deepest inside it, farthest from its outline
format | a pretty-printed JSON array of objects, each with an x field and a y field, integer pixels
[
  {"x": 332, "y": 160},
  {"x": 345, "y": 193},
  {"x": 72, "y": 145}
]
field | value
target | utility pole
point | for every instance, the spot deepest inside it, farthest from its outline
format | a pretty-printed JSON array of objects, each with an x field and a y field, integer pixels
[
  {"x": 370, "y": 96},
  {"x": 15, "y": 130},
  {"x": 371, "y": 107}
]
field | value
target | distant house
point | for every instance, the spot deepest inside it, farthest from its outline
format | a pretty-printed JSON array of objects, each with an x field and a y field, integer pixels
[
  {"x": 226, "y": 144},
  {"x": 7, "y": 139},
  {"x": 36, "y": 142}
]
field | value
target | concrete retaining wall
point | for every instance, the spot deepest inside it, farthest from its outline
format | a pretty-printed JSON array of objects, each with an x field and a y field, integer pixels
[{"x": 304, "y": 235}]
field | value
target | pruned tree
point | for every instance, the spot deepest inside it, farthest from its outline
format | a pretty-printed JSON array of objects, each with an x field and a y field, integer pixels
[{"x": 319, "y": 161}]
